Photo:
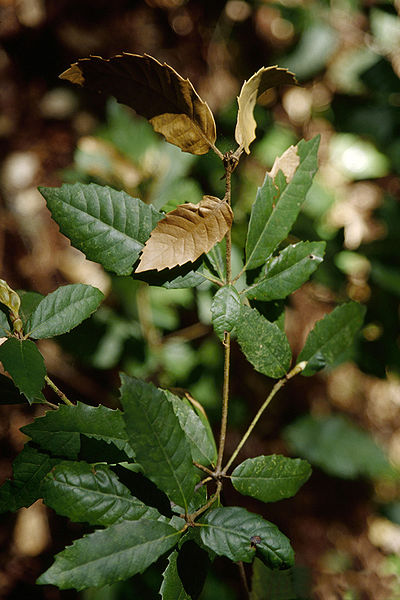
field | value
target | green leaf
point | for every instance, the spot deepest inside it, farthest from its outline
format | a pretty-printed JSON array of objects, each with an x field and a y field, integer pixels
[
  {"x": 62, "y": 310},
  {"x": 29, "y": 302},
  {"x": 261, "y": 212},
  {"x": 158, "y": 440},
  {"x": 270, "y": 478},
  {"x": 225, "y": 309},
  {"x": 171, "y": 587},
  {"x": 202, "y": 444},
  {"x": 110, "y": 555},
  {"x": 264, "y": 345},
  {"x": 272, "y": 214},
  {"x": 331, "y": 336},
  {"x": 285, "y": 273},
  {"x": 25, "y": 364},
  {"x": 109, "y": 227},
  {"x": 9, "y": 393},
  {"x": 92, "y": 494},
  {"x": 289, "y": 584},
  {"x": 59, "y": 431},
  {"x": 236, "y": 533},
  {"x": 337, "y": 446},
  {"x": 29, "y": 468},
  {"x": 5, "y": 326}
]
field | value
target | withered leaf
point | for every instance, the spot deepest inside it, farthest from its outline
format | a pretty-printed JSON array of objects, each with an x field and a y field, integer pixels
[
  {"x": 260, "y": 82},
  {"x": 156, "y": 91},
  {"x": 185, "y": 233},
  {"x": 287, "y": 163}
]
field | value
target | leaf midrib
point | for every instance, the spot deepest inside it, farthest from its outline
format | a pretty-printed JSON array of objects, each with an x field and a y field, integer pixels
[
  {"x": 164, "y": 453},
  {"x": 114, "y": 554},
  {"x": 98, "y": 220}
]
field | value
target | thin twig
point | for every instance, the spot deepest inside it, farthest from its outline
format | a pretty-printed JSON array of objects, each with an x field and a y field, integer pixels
[
  {"x": 278, "y": 385},
  {"x": 210, "y": 502},
  {"x": 243, "y": 578},
  {"x": 229, "y": 166},
  {"x": 203, "y": 468},
  {"x": 225, "y": 401},
  {"x": 228, "y": 192},
  {"x": 59, "y": 393},
  {"x": 213, "y": 279}
]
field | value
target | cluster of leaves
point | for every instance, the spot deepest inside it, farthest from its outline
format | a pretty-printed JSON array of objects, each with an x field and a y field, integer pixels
[{"x": 150, "y": 475}]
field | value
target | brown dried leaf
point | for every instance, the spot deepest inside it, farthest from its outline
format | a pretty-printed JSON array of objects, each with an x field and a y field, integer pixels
[
  {"x": 156, "y": 91},
  {"x": 263, "y": 80},
  {"x": 287, "y": 163},
  {"x": 185, "y": 233}
]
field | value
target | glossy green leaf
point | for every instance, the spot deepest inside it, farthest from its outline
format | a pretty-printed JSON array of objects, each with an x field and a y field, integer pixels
[
  {"x": 337, "y": 446},
  {"x": 236, "y": 533},
  {"x": 9, "y": 394},
  {"x": 331, "y": 336},
  {"x": 272, "y": 214},
  {"x": 158, "y": 440},
  {"x": 202, "y": 444},
  {"x": 171, "y": 587},
  {"x": 109, "y": 227},
  {"x": 270, "y": 478},
  {"x": 288, "y": 584},
  {"x": 63, "y": 309},
  {"x": 264, "y": 345},
  {"x": 225, "y": 309},
  {"x": 92, "y": 494},
  {"x": 29, "y": 468},
  {"x": 286, "y": 272},
  {"x": 261, "y": 212},
  {"x": 23, "y": 361},
  {"x": 59, "y": 431},
  {"x": 110, "y": 555}
]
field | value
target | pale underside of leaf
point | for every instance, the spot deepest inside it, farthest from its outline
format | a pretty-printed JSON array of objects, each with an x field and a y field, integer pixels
[
  {"x": 287, "y": 163},
  {"x": 186, "y": 233},
  {"x": 156, "y": 91},
  {"x": 263, "y": 80}
]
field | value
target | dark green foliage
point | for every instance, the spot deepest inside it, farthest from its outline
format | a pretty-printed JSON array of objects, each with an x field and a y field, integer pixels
[
  {"x": 91, "y": 493},
  {"x": 158, "y": 440},
  {"x": 23, "y": 361},
  {"x": 63, "y": 310},
  {"x": 270, "y": 478},
  {"x": 331, "y": 337},
  {"x": 108, "y": 226},
  {"x": 273, "y": 214},
  {"x": 60, "y": 431},
  {"x": 263, "y": 343},
  {"x": 110, "y": 555},
  {"x": 235, "y": 533},
  {"x": 29, "y": 468},
  {"x": 286, "y": 272}
]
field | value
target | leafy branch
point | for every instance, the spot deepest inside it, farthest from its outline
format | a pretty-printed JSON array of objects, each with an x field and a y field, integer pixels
[{"x": 151, "y": 475}]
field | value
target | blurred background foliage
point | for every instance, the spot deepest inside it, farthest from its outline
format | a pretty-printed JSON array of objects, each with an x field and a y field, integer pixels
[{"x": 345, "y": 523}]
